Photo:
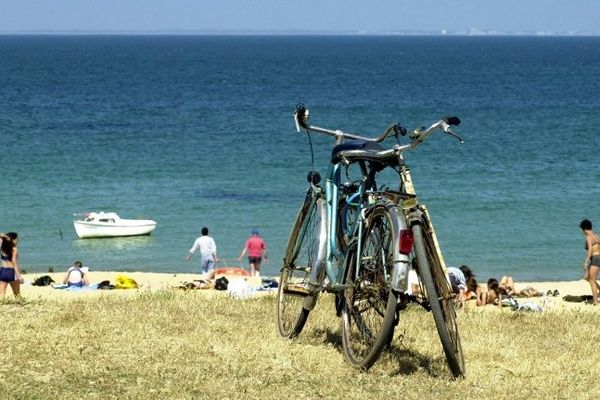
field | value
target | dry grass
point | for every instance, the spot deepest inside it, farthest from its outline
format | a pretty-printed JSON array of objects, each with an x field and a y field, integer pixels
[{"x": 186, "y": 345}]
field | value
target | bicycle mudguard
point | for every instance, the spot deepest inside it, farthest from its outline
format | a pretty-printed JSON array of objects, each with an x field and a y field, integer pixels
[
  {"x": 399, "y": 278},
  {"x": 427, "y": 220}
]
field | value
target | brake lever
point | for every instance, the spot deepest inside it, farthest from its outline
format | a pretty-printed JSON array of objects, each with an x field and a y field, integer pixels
[
  {"x": 301, "y": 112},
  {"x": 451, "y": 133},
  {"x": 446, "y": 127},
  {"x": 399, "y": 130}
]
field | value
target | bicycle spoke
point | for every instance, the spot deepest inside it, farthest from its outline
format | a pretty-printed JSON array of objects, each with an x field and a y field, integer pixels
[{"x": 302, "y": 252}]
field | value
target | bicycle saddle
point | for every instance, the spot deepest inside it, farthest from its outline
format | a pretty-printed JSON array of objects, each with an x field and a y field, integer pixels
[{"x": 354, "y": 150}]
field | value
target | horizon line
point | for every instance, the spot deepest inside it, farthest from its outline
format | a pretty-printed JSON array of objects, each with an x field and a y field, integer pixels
[{"x": 299, "y": 32}]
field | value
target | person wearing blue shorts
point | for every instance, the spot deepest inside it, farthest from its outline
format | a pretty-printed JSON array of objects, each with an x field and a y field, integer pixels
[
  {"x": 208, "y": 251},
  {"x": 9, "y": 272}
]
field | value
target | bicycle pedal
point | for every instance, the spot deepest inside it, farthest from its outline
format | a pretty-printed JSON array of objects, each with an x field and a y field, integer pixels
[
  {"x": 297, "y": 290},
  {"x": 335, "y": 288},
  {"x": 304, "y": 289}
]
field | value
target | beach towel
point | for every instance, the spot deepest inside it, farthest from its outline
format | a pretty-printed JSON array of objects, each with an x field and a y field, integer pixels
[
  {"x": 125, "y": 282},
  {"x": 530, "y": 306},
  {"x": 240, "y": 290},
  {"x": 75, "y": 288}
]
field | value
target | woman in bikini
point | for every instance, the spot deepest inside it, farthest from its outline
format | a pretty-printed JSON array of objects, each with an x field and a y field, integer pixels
[
  {"x": 9, "y": 272},
  {"x": 492, "y": 296},
  {"x": 591, "y": 264},
  {"x": 507, "y": 286}
]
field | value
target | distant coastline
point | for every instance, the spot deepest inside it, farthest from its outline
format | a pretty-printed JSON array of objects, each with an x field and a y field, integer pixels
[{"x": 183, "y": 32}]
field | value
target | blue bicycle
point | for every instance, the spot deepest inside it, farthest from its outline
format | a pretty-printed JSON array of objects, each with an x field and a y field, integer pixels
[{"x": 359, "y": 240}]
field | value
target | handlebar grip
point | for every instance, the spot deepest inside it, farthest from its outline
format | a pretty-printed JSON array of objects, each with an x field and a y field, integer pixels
[
  {"x": 399, "y": 130},
  {"x": 301, "y": 116},
  {"x": 455, "y": 121}
]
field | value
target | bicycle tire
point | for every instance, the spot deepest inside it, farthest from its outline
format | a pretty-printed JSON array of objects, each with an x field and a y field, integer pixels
[
  {"x": 369, "y": 309},
  {"x": 304, "y": 251},
  {"x": 440, "y": 297}
]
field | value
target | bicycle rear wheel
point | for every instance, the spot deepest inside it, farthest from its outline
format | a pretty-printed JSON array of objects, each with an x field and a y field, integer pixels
[
  {"x": 440, "y": 297},
  {"x": 369, "y": 303},
  {"x": 305, "y": 251}
]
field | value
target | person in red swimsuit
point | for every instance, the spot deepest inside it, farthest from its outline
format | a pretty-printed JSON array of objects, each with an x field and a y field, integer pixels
[{"x": 257, "y": 250}]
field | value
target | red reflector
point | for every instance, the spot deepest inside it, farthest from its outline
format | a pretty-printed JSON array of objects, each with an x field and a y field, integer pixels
[{"x": 406, "y": 241}]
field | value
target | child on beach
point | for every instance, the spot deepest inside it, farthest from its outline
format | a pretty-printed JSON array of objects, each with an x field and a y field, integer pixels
[{"x": 76, "y": 276}]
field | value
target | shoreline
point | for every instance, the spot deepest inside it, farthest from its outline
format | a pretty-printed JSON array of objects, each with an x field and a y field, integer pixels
[{"x": 153, "y": 281}]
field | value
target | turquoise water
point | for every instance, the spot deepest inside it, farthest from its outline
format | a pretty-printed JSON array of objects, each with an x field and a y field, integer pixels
[{"x": 197, "y": 131}]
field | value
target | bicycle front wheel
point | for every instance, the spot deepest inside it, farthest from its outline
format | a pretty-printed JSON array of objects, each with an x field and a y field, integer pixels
[
  {"x": 305, "y": 251},
  {"x": 369, "y": 303},
  {"x": 440, "y": 297}
]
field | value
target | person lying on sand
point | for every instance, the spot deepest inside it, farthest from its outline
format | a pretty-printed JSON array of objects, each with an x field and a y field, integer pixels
[
  {"x": 493, "y": 294},
  {"x": 507, "y": 285},
  {"x": 507, "y": 288},
  {"x": 197, "y": 284}
]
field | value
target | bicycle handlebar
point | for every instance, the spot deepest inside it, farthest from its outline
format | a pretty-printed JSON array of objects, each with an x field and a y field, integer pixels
[{"x": 302, "y": 115}]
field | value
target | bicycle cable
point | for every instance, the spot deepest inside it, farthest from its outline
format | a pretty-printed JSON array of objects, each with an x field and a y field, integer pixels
[{"x": 312, "y": 154}]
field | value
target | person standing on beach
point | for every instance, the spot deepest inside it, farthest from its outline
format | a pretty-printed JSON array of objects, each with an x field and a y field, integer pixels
[
  {"x": 9, "y": 272},
  {"x": 208, "y": 251},
  {"x": 591, "y": 264},
  {"x": 257, "y": 250}
]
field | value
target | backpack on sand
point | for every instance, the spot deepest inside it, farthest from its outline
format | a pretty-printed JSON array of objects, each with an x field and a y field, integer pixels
[
  {"x": 45, "y": 280},
  {"x": 221, "y": 283}
]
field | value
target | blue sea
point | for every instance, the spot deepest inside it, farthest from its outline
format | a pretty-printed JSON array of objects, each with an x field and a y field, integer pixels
[{"x": 197, "y": 131}]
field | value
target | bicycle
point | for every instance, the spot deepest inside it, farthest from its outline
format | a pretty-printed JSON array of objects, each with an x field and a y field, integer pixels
[{"x": 358, "y": 241}]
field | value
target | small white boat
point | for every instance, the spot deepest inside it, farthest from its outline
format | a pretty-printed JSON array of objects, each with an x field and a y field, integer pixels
[{"x": 109, "y": 224}]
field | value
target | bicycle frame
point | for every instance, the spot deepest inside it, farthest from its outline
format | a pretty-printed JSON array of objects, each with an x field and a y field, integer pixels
[
  {"x": 331, "y": 264},
  {"x": 326, "y": 263}
]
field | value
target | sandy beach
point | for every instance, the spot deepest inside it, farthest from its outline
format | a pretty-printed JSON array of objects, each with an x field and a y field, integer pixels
[
  {"x": 147, "y": 282},
  {"x": 170, "y": 281}
]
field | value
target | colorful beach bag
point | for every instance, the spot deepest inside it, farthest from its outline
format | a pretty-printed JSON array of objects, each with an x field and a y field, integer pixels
[{"x": 125, "y": 282}]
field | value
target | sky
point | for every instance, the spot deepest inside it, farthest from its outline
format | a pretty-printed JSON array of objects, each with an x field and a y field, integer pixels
[{"x": 351, "y": 16}]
